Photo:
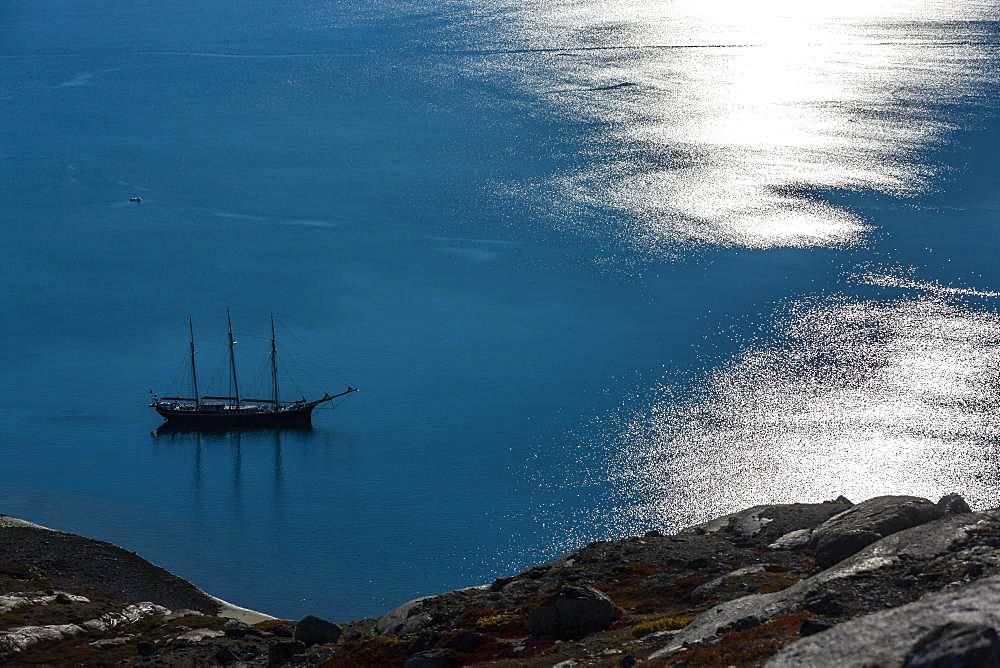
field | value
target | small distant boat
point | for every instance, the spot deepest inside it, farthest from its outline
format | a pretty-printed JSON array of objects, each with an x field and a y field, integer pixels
[
  {"x": 214, "y": 413},
  {"x": 135, "y": 198}
]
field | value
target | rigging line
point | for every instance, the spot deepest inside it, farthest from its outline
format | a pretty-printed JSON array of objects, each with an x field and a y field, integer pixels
[
  {"x": 175, "y": 381},
  {"x": 308, "y": 349},
  {"x": 222, "y": 367},
  {"x": 284, "y": 372},
  {"x": 305, "y": 370},
  {"x": 258, "y": 379},
  {"x": 305, "y": 367},
  {"x": 293, "y": 363}
]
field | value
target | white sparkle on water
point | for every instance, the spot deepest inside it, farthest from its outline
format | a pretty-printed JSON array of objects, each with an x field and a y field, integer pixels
[
  {"x": 718, "y": 122},
  {"x": 856, "y": 398}
]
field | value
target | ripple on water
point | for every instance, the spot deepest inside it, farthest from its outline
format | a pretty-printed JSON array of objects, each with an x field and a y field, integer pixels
[
  {"x": 855, "y": 397},
  {"x": 717, "y": 123}
]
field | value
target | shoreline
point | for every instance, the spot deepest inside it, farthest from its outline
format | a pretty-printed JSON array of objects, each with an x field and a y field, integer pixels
[
  {"x": 226, "y": 609},
  {"x": 239, "y": 613},
  {"x": 832, "y": 583}
]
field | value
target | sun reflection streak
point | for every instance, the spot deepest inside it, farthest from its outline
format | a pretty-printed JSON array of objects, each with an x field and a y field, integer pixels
[
  {"x": 856, "y": 397},
  {"x": 707, "y": 115}
]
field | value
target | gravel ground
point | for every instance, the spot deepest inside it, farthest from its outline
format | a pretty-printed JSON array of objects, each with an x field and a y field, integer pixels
[{"x": 87, "y": 565}]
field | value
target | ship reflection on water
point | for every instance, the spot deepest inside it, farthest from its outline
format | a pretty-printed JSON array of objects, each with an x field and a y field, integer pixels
[
  {"x": 171, "y": 429},
  {"x": 212, "y": 453}
]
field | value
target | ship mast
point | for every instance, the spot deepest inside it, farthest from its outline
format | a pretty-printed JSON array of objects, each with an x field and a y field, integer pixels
[
  {"x": 194, "y": 369},
  {"x": 274, "y": 367},
  {"x": 232, "y": 359}
]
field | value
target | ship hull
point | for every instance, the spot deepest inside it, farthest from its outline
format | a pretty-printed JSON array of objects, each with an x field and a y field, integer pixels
[{"x": 236, "y": 420}]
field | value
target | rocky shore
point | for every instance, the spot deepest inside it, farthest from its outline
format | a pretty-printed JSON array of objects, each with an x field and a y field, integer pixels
[{"x": 891, "y": 581}]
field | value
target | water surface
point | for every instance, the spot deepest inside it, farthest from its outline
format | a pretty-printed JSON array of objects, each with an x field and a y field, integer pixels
[{"x": 596, "y": 267}]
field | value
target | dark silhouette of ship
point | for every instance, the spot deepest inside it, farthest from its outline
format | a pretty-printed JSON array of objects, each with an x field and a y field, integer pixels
[{"x": 212, "y": 413}]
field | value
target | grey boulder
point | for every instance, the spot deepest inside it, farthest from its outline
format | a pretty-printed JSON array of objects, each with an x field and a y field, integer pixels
[
  {"x": 108, "y": 643},
  {"x": 953, "y": 504},
  {"x": 196, "y": 636},
  {"x": 953, "y": 543},
  {"x": 793, "y": 540},
  {"x": 315, "y": 631},
  {"x": 572, "y": 612},
  {"x": 731, "y": 584},
  {"x": 407, "y": 619},
  {"x": 942, "y": 629},
  {"x": 955, "y": 645},
  {"x": 862, "y": 524},
  {"x": 763, "y": 525},
  {"x": 834, "y": 547}
]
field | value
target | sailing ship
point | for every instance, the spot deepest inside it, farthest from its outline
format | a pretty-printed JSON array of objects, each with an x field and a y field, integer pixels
[{"x": 215, "y": 413}]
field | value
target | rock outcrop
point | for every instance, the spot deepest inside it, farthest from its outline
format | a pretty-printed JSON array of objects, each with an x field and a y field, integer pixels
[
  {"x": 893, "y": 580},
  {"x": 16, "y": 640},
  {"x": 891, "y": 571},
  {"x": 953, "y": 504},
  {"x": 312, "y": 630},
  {"x": 950, "y": 623},
  {"x": 956, "y": 644},
  {"x": 407, "y": 619},
  {"x": 845, "y": 534},
  {"x": 572, "y": 612},
  {"x": 15, "y": 600}
]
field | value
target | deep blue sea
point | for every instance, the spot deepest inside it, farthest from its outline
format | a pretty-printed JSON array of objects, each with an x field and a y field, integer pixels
[{"x": 597, "y": 267}]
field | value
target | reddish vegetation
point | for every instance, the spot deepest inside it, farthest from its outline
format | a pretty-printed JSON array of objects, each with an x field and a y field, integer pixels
[
  {"x": 374, "y": 651},
  {"x": 658, "y": 583},
  {"x": 271, "y": 624},
  {"x": 747, "y": 647}
]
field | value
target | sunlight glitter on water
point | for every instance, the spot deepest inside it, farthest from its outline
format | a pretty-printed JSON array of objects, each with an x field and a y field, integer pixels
[
  {"x": 715, "y": 121},
  {"x": 854, "y": 397}
]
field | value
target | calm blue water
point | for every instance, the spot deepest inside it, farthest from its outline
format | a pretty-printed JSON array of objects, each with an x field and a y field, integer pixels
[{"x": 596, "y": 268}]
